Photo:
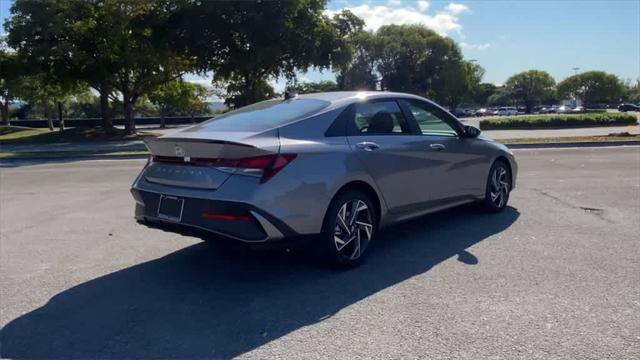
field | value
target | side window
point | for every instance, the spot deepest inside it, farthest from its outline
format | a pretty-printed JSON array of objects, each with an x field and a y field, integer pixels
[
  {"x": 381, "y": 117},
  {"x": 430, "y": 119}
]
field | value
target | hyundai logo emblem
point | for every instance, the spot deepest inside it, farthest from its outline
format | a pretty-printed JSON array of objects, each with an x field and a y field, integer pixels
[{"x": 179, "y": 151}]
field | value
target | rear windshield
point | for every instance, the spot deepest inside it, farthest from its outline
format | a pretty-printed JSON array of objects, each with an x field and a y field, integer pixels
[{"x": 264, "y": 115}]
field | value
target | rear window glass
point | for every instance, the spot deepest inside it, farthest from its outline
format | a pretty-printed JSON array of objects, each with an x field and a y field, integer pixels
[{"x": 264, "y": 115}]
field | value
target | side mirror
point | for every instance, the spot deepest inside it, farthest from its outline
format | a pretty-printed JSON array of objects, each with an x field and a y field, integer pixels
[{"x": 471, "y": 132}]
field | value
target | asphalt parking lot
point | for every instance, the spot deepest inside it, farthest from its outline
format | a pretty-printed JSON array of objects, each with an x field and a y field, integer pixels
[{"x": 556, "y": 275}]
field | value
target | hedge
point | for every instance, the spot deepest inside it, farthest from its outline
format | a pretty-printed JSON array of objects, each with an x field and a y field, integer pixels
[{"x": 558, "y": 121}]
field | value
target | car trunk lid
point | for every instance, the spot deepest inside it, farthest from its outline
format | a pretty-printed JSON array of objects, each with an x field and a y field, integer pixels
[{"x": 197, "y": 159}]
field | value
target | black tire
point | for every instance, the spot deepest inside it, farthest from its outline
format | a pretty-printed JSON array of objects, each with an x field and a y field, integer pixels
[
  {"x": 350, "y": 254},
  {"x": 491, "y": 203}
]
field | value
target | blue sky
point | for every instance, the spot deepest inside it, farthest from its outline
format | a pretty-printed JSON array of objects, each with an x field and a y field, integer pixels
[{"x": 507, "y": 37}]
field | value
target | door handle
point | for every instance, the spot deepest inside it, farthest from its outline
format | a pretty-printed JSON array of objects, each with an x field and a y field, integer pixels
[
  {"x": 438, "y": 147},
  {"x": 367, "y": 146}
]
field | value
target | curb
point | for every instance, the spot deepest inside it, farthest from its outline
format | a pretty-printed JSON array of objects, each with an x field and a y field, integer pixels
[
  {"x": 580, "y": 144},
  {"x": 44, "y": 159},
  {"x": 577, "y": 144}
]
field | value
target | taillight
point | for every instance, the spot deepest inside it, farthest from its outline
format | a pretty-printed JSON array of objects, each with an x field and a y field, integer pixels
[{"x": 264, "y": 166}]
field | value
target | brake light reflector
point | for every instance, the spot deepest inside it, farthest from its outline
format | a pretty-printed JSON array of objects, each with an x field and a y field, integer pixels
[{"x": 212, "y": 216}]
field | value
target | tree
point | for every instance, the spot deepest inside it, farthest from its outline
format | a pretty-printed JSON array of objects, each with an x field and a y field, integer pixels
[
  {"x": 632, "y": 91},
  {"x": 72, "y": 45},
  {"x": 483, "y": 92},
  {"x": 179, "y": 97},
  {"x": 500, "y": 97},
  {"x": 530, "y": 87},
  {"x": 27, "y": 77},
  {"x": 248, "y": 43},
  {"x": 360, "y": 73},
  {"x": 313, "y": 87},
  {"x": 110, "y": 44},
  {"x": 456, "y": 81},
  {"x": 51, "y": 96},
  {"x": 236, "y": 95},
  {"x": 410, "y": 58},
  {"x": 10, "y": 82},
  {"x": 592, "y": 87}
]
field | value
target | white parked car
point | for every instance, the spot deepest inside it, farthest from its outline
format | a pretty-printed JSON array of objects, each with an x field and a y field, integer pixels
[{"x": 507, "y": 111}]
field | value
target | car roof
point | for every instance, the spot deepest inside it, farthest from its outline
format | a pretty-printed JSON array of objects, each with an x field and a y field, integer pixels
[{"x": 341, "y": 98}]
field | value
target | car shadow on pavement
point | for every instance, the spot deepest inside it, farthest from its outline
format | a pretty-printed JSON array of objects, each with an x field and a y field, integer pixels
[{"x": 203, "y": 302}]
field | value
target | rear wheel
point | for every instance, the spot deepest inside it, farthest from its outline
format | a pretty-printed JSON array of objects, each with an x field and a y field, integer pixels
[
  {"x": 349, "y": 227},
  {"x": 498, "y": 187}
]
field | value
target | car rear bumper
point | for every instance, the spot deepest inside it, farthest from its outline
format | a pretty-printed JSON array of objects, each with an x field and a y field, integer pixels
[{"x": 203, "y": 217}]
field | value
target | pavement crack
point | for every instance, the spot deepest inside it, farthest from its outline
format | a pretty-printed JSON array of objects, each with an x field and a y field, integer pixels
[{"x": 589, "y": 210}]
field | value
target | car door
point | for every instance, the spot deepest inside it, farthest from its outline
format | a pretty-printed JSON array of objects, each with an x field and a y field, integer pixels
[
  {"x": 459, "y": 161},
  {"x": 379, "y": 133}
]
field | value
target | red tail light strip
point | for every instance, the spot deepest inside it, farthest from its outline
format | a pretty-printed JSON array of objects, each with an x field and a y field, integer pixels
[
  {"x": 269, "y": 164},
  {"x": 211, "y": 216}
]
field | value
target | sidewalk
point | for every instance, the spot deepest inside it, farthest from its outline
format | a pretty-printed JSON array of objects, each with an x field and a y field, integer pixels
[
  {"x": 138, "y": 145},
  {"x": 97, "y": 146},
  {"x": 552, "y": 133}
]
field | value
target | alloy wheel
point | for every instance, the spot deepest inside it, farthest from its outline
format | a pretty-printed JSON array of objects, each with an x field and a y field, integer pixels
[
  {"x": 354, "y": 227},
  {"x": 499, "y": 187}
]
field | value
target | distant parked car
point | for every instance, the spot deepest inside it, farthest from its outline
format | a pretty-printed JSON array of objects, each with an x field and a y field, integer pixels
[
  {"x": 578, "y": 109},
  {"x": 483, "y": 112},
  {"x": 628, "y": 107},
  {"x": 507, "y": 111},
  {"x": 463, "y": 113},
  {"x": 547, "y": 110}
]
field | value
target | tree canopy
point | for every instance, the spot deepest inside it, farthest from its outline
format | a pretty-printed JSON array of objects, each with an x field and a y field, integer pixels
[
  {"x": 313, "y": 87},
  {"x": 178, "y": 97},
  {"x": 134, "y": 52},
  {"x": 592, "y": 87},
  {"x": 530, "y": 87},
  {"x": 249, "y": 43},
  {"x": 110, "y": 44},
  {"x": 410, "y": 58},
  {"x": 11, "y": 81}
]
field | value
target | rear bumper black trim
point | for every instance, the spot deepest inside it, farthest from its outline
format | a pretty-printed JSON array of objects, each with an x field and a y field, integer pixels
[{"x": 246, "y": 231}]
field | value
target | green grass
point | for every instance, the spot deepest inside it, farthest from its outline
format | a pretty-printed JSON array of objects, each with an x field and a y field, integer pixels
[
  {"x": 11, "y": 133},
  {"x": 23, "y": 135},
  {"x": 558, "y": 121},
  {"x": 604, "y": 138}
]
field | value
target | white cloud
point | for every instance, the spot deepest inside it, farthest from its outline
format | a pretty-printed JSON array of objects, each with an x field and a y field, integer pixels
[
  {"x": 423, "y": 5},
  {"x": 456, "y": 9},
  {"x": 479, "y": 47},
  {"x": 443, "y": 22}
]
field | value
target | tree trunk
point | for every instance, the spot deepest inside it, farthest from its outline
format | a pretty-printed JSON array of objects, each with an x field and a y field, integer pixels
[
  {"x": 127, "y": 107},
  {"x": 5, "y": 113},
  {"x": 105, "y": 111},
  {"x": 129, "y": 122},
  {"x": 60, "y": 116},
  {"x": 47, "y": 114},
  {"x": 162, "y": 123},
  {"x": 528, "y": 106}
]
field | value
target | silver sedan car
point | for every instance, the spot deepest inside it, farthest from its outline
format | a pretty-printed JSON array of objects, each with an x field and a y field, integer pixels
[{"x": 336, "y": 166}]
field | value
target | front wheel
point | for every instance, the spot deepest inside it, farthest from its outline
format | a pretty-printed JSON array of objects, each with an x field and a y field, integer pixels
[
  {"x": 349, "y": 227},
  {"x": 498, "y": 187}
]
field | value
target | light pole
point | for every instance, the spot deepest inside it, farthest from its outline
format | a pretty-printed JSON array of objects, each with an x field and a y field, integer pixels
[{"x": 575, "y": 70}]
